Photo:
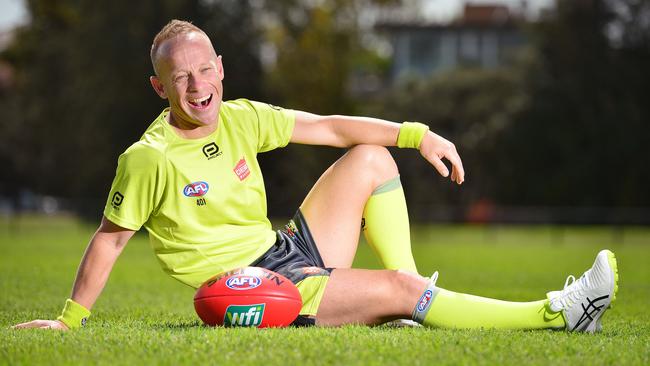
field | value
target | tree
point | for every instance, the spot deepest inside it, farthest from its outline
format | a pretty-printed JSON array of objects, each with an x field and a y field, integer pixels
[
  {"x": 583, "y": 139},
  {"x": 566, "y": 125},
  {"x": 82, "y": 93},
  {"x": 471, "y": 107}
]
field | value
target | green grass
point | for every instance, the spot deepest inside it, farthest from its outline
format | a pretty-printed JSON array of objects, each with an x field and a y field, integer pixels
[{"x": 144, "y": 317}]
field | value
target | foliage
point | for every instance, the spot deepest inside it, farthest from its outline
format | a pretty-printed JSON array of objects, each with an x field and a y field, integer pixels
[
  {"x": 319, "y": 45},
  {"x": 81, "y": 92},
  {"x": 565, "y": 125},
  {"x": 470, "y": 107},
  {"x": 313, "y": 59},
  {"x": 585, "y": 132},
  {"x": 319, "y": 49}
]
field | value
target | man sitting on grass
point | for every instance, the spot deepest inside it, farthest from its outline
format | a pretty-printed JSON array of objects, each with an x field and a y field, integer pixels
[{"x": 193, "y": 181}]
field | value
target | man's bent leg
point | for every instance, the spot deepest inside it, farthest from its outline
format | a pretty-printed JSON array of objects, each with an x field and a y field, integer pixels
[
  {"x": 354, "y": 296},
  {"x": 438, "y": 307},
  {"x": 579, "y": 306},
  {"x": 455, "y": 310},
  {"x": 334, "y": 207}
]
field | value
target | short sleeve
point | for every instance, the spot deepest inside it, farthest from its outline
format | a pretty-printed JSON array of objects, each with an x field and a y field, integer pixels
[
  {"x": 137, "y": 187},
  {"x": 275, "y": 126}
]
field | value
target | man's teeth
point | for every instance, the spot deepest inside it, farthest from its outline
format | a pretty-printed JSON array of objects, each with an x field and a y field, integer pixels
[{"x": 199, "y": 100}]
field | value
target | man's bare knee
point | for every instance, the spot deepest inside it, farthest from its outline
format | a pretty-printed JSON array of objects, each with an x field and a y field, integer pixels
[
  {"x": 378, "y": 159},
  {"x": 402, "y": 290},
  {"x": 406, "y": 286}
]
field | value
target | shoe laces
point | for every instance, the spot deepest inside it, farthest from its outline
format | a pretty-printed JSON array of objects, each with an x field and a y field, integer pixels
[{"x": 573, "y": 290}]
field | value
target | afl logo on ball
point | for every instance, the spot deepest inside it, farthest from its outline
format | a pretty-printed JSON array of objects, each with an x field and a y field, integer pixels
[
  {"x": 243, "y": 282},
  {"x": 196, "y": 189}
]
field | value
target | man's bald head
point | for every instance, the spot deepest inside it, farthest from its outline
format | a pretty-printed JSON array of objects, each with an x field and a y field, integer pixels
[{"x": 173, "y": 29}]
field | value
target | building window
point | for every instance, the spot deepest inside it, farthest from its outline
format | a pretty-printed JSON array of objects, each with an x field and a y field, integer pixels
[
  {"x": 469, "y": 49},
  {"x": 424, "y": 52}
]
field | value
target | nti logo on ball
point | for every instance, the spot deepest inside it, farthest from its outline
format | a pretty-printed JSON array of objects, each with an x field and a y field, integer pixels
[
  {"x": 196, "y": 189},
  {"x": 243, "y": 282},
  {"x": 244, "y": 315}
]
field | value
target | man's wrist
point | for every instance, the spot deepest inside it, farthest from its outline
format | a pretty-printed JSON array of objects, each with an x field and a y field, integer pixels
[
  {"x": 74, "y": 315},
  {"x": 411, "y": 135}
]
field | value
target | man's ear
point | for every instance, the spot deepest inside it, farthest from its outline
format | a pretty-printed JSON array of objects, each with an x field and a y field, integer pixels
[
  {"x": 220, "y": 71},
  {"x": 158, "y": 86}
]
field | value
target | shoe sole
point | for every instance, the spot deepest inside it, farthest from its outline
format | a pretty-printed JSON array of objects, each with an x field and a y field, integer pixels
[{"x": 611, "y": 258}]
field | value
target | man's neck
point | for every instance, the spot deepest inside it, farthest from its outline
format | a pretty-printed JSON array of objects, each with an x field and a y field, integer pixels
[{"x": 188, "y": 131}]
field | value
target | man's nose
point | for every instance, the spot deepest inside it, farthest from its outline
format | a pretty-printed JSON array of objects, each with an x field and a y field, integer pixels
[{"x": 194, "y": 82}]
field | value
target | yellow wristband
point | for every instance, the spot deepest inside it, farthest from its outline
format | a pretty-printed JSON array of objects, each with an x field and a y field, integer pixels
[
  {"x": 74, "y": 315},
  {"x": 411, "y": 135}
]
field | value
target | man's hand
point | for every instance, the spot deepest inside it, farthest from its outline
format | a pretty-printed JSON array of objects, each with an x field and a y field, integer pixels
[
  {"x": 102, "y": 252},
  {"x": 42, "y": 324},
  {"x": 434, "y": 148}
]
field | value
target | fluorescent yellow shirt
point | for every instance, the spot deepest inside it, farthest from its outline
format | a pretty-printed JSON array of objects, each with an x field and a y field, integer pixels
[{"x": 202, "y": 201}]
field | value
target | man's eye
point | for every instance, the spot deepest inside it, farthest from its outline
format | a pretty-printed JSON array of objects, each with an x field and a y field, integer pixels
[
  {"x": 180, "y": 78},
  {"x": 206, "y": 69}
]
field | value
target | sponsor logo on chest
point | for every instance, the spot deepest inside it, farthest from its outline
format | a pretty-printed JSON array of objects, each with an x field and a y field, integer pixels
[
  {"x": 241, "y": 169},
  {"x": 211, "y": 150}
]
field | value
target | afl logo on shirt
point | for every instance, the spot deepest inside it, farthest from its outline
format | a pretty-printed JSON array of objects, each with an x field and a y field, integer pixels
[{"x": 196, "y": 189}]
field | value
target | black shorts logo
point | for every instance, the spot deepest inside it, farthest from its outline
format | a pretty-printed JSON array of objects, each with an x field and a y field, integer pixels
[
  {"x": 211, "y": 150},
  {"x": 117, "y": 199}
]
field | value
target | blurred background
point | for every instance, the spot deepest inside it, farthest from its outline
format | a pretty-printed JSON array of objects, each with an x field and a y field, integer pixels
[{"x": 547, "y": 101}]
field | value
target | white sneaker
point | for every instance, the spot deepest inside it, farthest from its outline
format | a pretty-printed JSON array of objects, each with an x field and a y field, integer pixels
[{"x": 584, "y": 301}]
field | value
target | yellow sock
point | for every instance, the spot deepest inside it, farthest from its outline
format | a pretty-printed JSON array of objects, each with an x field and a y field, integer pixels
[
  {"x": 449, "y": 309},
  {"x": 385, "y": 225}
]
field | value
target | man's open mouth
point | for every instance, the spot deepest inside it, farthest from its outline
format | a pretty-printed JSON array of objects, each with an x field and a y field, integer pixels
[{"x": 201, "y": 103}]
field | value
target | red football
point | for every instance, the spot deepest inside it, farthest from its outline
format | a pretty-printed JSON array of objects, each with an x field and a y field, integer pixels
[{"x": 248, "y": 297}]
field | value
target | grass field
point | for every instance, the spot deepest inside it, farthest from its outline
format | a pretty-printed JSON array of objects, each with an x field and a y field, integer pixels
[{"x": 144, "y": 317}]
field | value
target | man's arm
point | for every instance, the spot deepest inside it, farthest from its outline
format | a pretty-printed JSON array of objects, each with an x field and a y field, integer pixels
[
  {"x": 346, "y": 131},
  {"x": 102, "y": 252}
]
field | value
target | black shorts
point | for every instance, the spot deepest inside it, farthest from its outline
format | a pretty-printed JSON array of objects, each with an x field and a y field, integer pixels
[{"x": 295, "y": 256}]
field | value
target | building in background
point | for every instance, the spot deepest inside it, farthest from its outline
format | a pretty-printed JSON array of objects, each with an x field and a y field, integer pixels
[{"x": 484, "y": 36}]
